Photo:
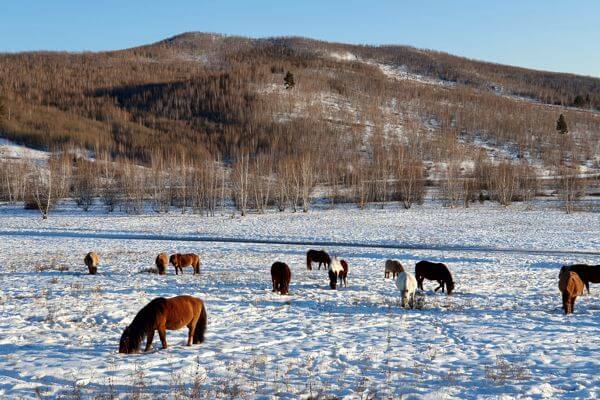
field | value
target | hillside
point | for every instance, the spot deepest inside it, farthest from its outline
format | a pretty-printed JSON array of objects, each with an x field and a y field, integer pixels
[{"x": 357, "y": 114}]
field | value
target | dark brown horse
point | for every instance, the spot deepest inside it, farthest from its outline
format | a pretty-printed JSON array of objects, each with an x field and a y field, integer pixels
[
  {"x": 180, "y": 261},
  {"x": 165, "y": 314},
  {"x": 162, "y": 261},
  {"x": 92, "y": 260},
  {"x": 338, "y": 270},
  {"x": 587, "y": 273},
  {"x": 571, "y": 286},
  {"x": 393, "y": 267},
  {"x": 319, "y": 256},
  {"x": 281, "y": 275},
  {"x": 435, "y": 272}
]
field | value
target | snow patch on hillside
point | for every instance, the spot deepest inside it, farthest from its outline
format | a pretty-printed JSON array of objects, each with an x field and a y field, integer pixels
[
  {"x": 10, "y": 150},
  {"x": 343, "y": 56}
]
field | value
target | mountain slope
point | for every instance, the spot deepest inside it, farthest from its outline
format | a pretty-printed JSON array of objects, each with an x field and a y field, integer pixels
[{"x": 205, "y": 94}]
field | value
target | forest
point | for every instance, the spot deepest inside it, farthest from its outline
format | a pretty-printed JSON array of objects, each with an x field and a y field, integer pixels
[{"x": 198, "y": 120}]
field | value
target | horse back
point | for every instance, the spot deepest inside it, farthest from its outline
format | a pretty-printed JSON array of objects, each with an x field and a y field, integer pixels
[
  {"x": 179, "y": 311},
  {"x": 589, "y": 273},
  {"x": 281, "y": 271},
  {"x": 433, "y": 271},
  {"x": 91, "y": 259}
]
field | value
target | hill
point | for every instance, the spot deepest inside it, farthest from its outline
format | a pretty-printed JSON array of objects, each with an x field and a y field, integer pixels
[{"x": 357, "y": 113}]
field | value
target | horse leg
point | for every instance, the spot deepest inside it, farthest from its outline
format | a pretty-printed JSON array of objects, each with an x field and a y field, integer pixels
[
  {"x": 587, "y": 286},
  {"x": 565, "y": 301},
  {"x": 420, "y": 282},
  {"x": 162, "y": 333},
  {"x": 386, "y": 275},
  {"x": 572, "y": 304},
  {"x": 149, "y": 339},
  {"x": 191, "y": 329}
]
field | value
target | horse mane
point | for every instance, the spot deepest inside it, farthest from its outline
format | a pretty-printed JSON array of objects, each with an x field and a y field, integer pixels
[{"x": 144, "y": 321}]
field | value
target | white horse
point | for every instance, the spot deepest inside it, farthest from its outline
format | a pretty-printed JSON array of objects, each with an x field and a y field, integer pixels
[{"x": 407, "y": 284}]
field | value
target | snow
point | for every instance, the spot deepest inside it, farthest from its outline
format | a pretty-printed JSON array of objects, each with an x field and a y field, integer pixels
[
  {"x": 343, "y": 56},
  {"x": 9, "y": 149},
  {"x": 501, "y": 334}
]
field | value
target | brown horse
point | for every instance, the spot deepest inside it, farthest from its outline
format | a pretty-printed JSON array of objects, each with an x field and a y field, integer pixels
[
  {"x": 281, "y": 275},
  {"x": 435, "y": 272},
  {"x": 92, "y": 260},
  {"x": 393, "y": 267},
  {"x": 571, "y": 286},
  {"x": 319, "y": 256},
  {"x": 587, "y": 273},
  {"x": 162, "y": 261},
  {"x": 165, "y": 314},
  {"x": 180, "y": 261},
  {"x": 338, "y": 270}
]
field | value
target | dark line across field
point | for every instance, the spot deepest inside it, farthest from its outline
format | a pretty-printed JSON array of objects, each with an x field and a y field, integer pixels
[{"x": 289, "y": 242}]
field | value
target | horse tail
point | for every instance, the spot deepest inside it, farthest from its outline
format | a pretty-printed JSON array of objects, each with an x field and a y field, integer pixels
[{"x": 201, "y": 326}]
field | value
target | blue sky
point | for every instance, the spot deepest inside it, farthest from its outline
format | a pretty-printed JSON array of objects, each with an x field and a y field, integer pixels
[{"x": 542, "y": 34}]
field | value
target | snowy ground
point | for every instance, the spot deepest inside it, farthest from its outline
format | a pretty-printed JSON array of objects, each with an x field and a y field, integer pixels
[{"x": 501, "y": 334}]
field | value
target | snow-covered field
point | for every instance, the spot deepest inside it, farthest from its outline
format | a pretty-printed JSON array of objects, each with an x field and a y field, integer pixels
[{"x": 501, "y": 334}]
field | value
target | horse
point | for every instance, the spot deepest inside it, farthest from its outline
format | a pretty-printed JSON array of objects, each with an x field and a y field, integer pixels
[
  {"x": 164, "y": 314},
  {"x": 571, "y": 286},
  {"x": 587, "y": 273},
  {"x": 394, "y": 267},
  {"x": 407, "y": 285},
  {"x": 162, "y": 261},
  {"x": 435, "y": 272},
  {"x": 319, "y": 256},
  {"x": 338, "y": 270},
  {"x": 181, "y": 261},
  {"x": 281, "y": 276},
  {"x": 92, "y": 260}
]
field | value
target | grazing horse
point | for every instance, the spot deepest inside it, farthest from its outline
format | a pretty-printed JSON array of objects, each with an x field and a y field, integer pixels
[
  {"x": 393, "y": 267},
  {"x": 319, "y": 256},
  {"x": 571, "y": 286},
  {"x": 180, "y": 261},
  {"x": 281, "y": 275},
  {"x": 587, "y": 273},
  {"x": 407, "y": 285},
  {"x": 162, "y": 261},
  {"x": 435, "y": 272},
  {"x": 162, "y": 314},
  {"x": 92, "y": 260},
  {"x": 338, "y": 269}
]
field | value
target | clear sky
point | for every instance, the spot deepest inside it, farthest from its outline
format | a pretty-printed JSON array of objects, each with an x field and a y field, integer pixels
[{"x": 542, "y": 34}]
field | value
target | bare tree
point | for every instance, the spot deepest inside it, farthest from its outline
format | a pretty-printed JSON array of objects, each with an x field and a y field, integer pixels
[
  {"x": 411, "y": 181},
  {"x": 570, "y": 187},
  {"x": 241, "y": 172},
  {"x": 46, "y": 184}
]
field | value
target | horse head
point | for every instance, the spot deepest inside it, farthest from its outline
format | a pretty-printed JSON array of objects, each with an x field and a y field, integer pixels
[
  {"x": 173, "y": 260},
  {"x": 450, "y": 286},
  {"x": 126, "y": 344}
]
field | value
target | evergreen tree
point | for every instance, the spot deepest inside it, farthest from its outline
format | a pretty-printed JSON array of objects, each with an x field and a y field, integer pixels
[
  {"x": 561, "y": 125},
  {"x": 579, "y": 101},
  {"x": 289, "y": 80}
]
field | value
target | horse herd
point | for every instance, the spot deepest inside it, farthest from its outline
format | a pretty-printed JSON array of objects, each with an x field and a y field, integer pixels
[{"x": 163, "y": 314}]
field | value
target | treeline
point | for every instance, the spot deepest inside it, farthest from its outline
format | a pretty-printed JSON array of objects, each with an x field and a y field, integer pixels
[{"x": 386, "y": 171}]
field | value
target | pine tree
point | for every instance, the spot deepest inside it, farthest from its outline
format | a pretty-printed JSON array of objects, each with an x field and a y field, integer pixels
[
  {"x": 561, "y": 125},
  {"x": 579, "y": 101},
  {"x": 289, "y": 80}
]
